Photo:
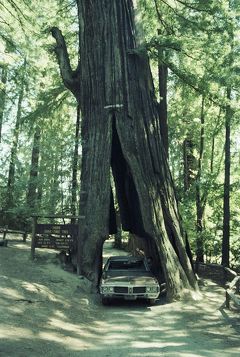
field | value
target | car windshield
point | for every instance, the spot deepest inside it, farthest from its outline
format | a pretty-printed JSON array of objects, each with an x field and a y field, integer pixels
[{"x": 127, "y": 265}]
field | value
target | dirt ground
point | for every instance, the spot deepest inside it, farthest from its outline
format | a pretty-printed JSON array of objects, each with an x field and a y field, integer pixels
[{"x": 44, "y": 311}]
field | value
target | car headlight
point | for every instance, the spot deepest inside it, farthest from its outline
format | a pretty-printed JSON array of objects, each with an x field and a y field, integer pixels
[
  {"x": 152, "y": 289},
  {"x": 107, "y": 289}
]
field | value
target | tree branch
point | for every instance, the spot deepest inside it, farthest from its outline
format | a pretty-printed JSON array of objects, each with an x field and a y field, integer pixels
[
  {"x": 192, "y": 81},
  {"x": 178, "y": 14},
  {"x": 71, "y": 79},
  {"x": 163, "y": 22},
  {"x": 192, "y": 7}
]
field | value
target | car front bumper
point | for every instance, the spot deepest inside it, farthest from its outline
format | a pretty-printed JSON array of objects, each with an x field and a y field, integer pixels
[
  {"x": 129, "y": 293},
  {"x": 130, "y": 297}
]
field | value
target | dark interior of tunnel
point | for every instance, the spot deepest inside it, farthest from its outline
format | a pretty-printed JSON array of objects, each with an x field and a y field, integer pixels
[
  {"x": 128, "y": 201},
  {"x": 129, "y": 206}
]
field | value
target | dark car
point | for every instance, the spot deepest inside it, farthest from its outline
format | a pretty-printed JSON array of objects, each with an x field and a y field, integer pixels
[{"x": 128, "y": 278}]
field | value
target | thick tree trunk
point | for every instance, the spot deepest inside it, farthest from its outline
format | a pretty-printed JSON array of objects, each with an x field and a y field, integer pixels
[
  {"x": 163, "y": 75},
  {"x": 120, "y": 127},
  {"x": 226, "y": 200},
  {"x": 2, "y": 97},
  {"x": 33, "y": 177}
]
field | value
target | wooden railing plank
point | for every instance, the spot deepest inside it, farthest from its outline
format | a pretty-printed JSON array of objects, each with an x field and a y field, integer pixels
[{"x": 232, "y": 291}]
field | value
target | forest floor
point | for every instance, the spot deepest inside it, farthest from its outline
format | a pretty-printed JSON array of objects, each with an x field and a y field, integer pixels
[{"x": 44, "y": 311}]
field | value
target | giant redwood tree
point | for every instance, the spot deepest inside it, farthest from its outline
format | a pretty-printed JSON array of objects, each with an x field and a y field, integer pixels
[{"x": 120, "y": 130}]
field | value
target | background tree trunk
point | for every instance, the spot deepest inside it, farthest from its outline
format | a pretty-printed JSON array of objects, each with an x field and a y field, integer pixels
[
  {"x": 189, "y": 163},
  {"x": 120, "y": 126},
  {"x": 13, "y": 157},
  {"x": 33, "y": 177},
  {"x": 75, "y": 165},
  {"x": 54, "y": 185},
  {"x": 226, "y": 199},
  {"x": 200, "y": 205},
  {"x": 2, "y": 97},
  {"x": 118, "y": 235}
]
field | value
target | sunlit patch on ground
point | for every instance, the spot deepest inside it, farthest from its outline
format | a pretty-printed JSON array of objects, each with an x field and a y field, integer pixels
[{"x": 44, "y": 312}]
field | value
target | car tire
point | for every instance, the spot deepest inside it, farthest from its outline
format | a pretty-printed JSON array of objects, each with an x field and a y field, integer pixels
[
  {"x": 105, "y": 301},
  {"x": 152, "y": 302}
]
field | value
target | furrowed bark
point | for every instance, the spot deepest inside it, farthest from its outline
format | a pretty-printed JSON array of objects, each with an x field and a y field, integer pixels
[
  {"x": 163, "y": 75},
  {"x": 120, "y": 127}
]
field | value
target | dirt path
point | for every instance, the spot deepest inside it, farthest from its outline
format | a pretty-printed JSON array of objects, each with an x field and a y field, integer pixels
[{"x": 44, "y": 311}]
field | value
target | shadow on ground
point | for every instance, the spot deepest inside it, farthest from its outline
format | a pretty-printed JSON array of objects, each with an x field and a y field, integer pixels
[{"x": 44, "y": 311}]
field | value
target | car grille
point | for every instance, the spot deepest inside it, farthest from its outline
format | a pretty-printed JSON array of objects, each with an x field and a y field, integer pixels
[
  {"x": 121, "y": 290},
  {"x": 139, "y": 290},
  {"x": 130, "y": 290}
]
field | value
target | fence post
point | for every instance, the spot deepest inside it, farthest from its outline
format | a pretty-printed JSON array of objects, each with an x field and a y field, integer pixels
[
  {"x": 4, "y": 233},
  {"x": 34, "y": 224},
  {"x": 24, "y": 237},
  {"x": 227, "y": 301}
]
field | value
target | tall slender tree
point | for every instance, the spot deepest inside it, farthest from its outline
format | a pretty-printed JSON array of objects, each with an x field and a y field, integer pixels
[
  {"x": 13, "y": 156},
  {"x": 230, "y": 60},
  {"x": 74, "y": 184},
  {"x": 34, "y": 170},
  {"x": 227, "y": 175},
  {"x": 2, "y": 95},
  {"x": 200, "y": 203}
]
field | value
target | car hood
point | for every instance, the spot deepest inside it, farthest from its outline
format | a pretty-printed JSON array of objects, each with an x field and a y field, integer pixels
[{"x": 129, "y": 279}]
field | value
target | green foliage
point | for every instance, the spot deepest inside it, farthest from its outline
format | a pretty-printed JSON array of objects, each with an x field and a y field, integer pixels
[
  {"x": 25, "y": 37},
  {"x": 199, "y": 43}
]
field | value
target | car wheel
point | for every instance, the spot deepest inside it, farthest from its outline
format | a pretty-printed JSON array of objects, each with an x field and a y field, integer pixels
[
  {"x": 105, "y": 301},
  {"x": 151, "y": 301}
]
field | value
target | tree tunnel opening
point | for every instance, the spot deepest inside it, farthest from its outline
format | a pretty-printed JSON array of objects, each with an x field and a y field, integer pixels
[{"x": 129, "y": 206}]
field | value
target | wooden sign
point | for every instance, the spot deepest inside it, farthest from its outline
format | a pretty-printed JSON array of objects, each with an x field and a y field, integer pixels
[{"x": 55, "y": 236}]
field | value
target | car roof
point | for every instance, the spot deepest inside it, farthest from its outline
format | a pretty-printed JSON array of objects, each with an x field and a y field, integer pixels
[{"x": 125, "y": 257}]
